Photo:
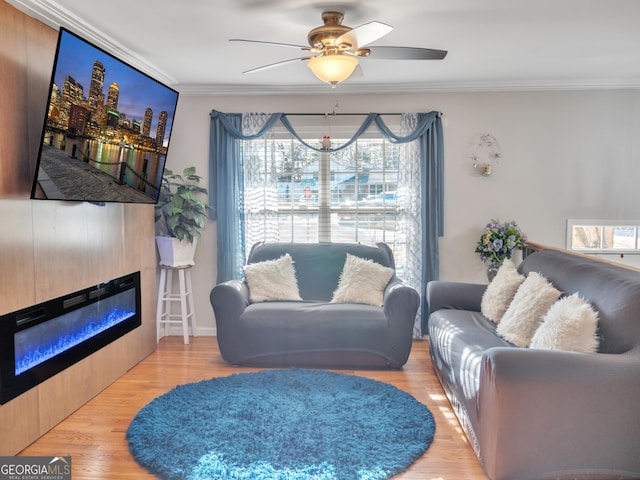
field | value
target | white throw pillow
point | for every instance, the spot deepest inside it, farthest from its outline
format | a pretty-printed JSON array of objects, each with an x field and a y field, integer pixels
[
  {"x": 272, "y": 280},
  {"x": 524, "y": 315},
  {"x": 500, "y": 291},
  {"x": 570, "y": 324},
  {"x": 362, "y": 281}
]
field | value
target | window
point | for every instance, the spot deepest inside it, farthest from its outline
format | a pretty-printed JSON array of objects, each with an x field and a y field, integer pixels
[
  {"x": 603, "y": 236},
  {"x": 274, "y": 190},
  {"x": 294, "y": 194}
]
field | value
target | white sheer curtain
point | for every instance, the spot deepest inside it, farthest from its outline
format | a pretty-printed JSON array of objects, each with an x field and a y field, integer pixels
[
  {"x": 409, "y": 238},
  {"x": 260, "y": 183}
]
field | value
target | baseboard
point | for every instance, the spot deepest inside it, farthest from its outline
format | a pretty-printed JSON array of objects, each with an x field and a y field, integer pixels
[{"x": 202, "y": 331}]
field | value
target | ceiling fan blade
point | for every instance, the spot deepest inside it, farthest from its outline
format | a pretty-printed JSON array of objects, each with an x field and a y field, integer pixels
[
  {"x": 357, "y": 73},
  {"x": 277, "y": 44},
  {"x": 364, "y": 34},
  {"x": 406, "y": 53},
  {"x": 277, "y": 64}
]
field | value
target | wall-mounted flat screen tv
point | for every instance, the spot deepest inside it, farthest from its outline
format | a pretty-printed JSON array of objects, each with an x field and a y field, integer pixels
[{"x": 106, "y": 130}]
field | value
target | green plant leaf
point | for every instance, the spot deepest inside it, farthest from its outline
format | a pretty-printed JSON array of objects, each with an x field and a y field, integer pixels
[{"x": 179, "y": 212}]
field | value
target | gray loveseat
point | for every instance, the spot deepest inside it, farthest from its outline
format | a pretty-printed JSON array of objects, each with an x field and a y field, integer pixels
[
  {"x": 315, "y": 332},
  {"x": 542, "y": 414}
]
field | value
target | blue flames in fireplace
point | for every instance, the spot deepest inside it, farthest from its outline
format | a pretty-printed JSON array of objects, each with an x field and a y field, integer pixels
[{"x": 42, "y": 342}]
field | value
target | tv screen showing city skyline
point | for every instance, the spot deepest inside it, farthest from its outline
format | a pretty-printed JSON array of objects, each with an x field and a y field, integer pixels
[{"x": 107, "y": 128}]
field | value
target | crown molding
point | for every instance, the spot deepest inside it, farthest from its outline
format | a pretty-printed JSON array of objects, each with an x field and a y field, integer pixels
[
  {"x": 423, "y": 87},
  {"x": 56, "y": 16}
]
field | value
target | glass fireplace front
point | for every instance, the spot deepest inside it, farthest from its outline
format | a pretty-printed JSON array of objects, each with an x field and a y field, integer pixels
[{"x": 40, "y": 341}]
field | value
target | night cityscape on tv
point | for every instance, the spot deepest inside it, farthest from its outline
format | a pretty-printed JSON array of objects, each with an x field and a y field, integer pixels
[{"x": 106, "y": 131}]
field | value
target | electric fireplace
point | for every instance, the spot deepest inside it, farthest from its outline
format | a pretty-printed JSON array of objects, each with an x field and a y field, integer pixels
[{"x": 40, "y": 341}]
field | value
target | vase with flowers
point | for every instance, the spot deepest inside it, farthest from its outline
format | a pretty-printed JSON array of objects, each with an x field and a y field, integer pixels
[{"x": 497, "y": 243}]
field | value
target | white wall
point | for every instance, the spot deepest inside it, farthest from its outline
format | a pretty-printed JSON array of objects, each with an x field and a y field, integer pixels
[{"x": 565, "y": 155}]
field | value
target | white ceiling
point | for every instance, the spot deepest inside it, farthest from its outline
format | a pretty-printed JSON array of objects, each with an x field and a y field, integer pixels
[{"x": 492, "y": 44}]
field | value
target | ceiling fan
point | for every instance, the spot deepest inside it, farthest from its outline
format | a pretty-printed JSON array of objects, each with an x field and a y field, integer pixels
[{"x": 336, "y": 49}]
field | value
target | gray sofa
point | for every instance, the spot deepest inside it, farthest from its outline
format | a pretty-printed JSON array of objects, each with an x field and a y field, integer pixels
[
  {"x": 314, "y": 332},
  {"x": 542, "y": 414}
]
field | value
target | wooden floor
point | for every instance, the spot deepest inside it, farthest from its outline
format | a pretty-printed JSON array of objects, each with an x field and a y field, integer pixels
[{"x": 94, "y": 435}]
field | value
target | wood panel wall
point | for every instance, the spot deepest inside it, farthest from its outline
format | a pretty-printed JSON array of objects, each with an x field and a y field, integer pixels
[{"x": 48, "y": 249}]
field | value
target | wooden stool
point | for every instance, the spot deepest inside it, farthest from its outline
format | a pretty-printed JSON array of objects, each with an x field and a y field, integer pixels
[{"x": 184, "y": 296}]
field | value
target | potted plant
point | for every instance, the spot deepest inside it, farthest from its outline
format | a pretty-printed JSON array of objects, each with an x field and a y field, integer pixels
[{"x": 179, "y": 217}]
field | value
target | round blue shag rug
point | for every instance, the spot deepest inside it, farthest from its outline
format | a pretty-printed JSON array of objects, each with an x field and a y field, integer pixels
[{"x": 290, "y": 424}]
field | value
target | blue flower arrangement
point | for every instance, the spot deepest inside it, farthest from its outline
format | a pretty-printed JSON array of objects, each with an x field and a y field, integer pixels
[{"x": 499, "y": 240}]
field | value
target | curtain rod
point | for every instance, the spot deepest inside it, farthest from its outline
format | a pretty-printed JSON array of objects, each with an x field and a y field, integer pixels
[{"x": 337, "y": 114}]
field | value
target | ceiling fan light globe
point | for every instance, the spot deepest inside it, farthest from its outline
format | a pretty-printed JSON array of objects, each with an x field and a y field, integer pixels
[{"x": 333, "y": 69}]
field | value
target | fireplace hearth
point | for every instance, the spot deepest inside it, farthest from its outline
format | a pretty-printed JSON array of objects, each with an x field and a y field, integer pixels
[{"x": 40, "y": 341}]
